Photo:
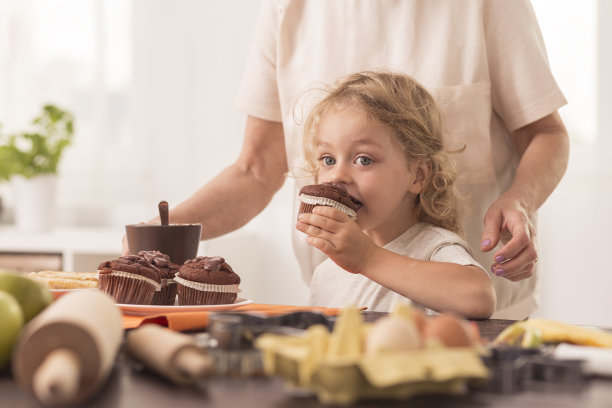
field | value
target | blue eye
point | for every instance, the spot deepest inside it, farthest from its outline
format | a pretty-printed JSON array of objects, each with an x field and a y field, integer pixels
[
  {"x": 364, "y": 161},
  {"x": 328, "y": 161}
]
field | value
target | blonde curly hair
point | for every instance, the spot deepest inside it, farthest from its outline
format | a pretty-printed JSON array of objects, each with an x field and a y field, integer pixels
[{"x": 398, "y": 102}]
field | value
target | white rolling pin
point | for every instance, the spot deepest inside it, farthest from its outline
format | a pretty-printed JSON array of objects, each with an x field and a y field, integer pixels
[
  {"x": 65, "y": 354},
  {"x": 171, "y": 354}
]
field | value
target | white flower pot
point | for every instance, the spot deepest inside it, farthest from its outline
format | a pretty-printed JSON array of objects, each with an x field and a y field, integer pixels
[{"x": 34, "y": 202}]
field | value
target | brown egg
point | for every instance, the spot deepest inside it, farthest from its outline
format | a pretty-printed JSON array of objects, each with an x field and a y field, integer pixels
[
  {"x": 419, "y": 320},
  {"x": 449, "y": 330},
  {"x": 392, "y": 333},
  {"x": 474, "y": 332}
]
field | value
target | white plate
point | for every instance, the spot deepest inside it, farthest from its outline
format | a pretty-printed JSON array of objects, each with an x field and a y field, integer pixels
[{"x": 142, "y": 310}]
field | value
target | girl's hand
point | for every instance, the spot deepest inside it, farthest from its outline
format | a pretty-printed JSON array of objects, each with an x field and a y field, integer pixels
[
  {"x": 338, "y": 236},
  {"x": 507, "y": 220}
]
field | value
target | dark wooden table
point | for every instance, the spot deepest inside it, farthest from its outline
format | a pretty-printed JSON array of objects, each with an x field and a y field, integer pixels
[{"x": 132, "y": 388}]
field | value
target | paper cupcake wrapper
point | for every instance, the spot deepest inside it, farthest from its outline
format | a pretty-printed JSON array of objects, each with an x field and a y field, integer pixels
[
  {"x": 190, "y": 296},
  {"x": 167, "y": 294},
  {"x": 314, "y": 201},
  {"x": 128, "y": 289},
  {"x": 208, "y": 287}
]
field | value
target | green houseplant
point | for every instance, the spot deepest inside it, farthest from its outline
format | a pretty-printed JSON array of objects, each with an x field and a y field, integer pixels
[
  {"x": 29, "y": 154},
  {"x": 29, "y": 160}
]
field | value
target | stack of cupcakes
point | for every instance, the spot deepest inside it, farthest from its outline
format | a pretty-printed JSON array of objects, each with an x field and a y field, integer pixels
[{"x": 150, "y": 278}]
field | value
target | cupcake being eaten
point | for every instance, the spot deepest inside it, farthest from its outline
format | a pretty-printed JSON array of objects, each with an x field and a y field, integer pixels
[
  {"x": 327, "y": 194},
  {"x": 167, "y": 270},
  {"x": 207, "y": 281},
  {"x": 129, "y": 279}
]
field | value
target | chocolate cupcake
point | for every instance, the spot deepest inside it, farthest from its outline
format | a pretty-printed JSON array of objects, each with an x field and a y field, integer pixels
[
  {"x": 328, "y": 194},
  {"x": 207, "y": 281},
  {"x": 129, "y": 279},
  {"x": 167, "y": 270}
]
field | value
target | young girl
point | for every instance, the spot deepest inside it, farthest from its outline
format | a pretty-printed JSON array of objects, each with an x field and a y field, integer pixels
[{"x": 379, "y": 134}]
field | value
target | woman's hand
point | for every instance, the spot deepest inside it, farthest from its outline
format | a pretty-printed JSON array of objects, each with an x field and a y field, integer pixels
[
  {"x": 508, "y": 220},
  {"x": 338, "y": 236},
  {"x": 544, "y": 149},
  {"x": 125, "y": 249}
]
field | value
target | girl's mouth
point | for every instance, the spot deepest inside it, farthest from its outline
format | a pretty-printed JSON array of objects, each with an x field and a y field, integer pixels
[{"x": 357, "y": 202}]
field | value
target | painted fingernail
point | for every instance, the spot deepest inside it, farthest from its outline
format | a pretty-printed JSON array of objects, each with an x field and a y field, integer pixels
[
  {"x": 499, "y": 272},
  {"x": 493, "y": 268},
  {"x": 499, "y": 258},
  {"x": 486, "y": 242}
]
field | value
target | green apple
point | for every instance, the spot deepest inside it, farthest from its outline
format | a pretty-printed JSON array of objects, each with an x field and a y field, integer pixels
[
  {"x": 11, "y": 321},
  {"x": 33, "y": 296}
]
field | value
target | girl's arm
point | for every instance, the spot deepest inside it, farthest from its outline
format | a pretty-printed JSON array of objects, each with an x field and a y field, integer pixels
[{"x": 441, "y": 286}]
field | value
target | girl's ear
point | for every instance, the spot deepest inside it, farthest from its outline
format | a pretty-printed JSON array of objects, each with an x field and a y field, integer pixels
[{"x": 421, "y": 170}]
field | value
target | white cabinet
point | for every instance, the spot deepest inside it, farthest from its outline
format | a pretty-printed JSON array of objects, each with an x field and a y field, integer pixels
[{"x": 69, "y": 249}]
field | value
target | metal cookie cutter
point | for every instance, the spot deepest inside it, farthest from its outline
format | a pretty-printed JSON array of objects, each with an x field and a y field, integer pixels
[
  {"x": 230, "y": 338},
  {"x": 516, "y": 369},
  {"x": 238, "y": 330}
]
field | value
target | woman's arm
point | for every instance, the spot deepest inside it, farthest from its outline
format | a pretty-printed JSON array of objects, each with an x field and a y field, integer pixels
[
  {"x": 441, "y": 286},
  {"x": 544, "y": 149},
  {"x": 240, "y": 191}
]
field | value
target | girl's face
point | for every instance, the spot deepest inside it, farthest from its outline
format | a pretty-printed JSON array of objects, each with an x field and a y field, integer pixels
[{"x": 367, "y": 159}]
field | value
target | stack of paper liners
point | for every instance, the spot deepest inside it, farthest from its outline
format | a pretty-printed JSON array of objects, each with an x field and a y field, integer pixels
[{"x": 334, "y": 367}]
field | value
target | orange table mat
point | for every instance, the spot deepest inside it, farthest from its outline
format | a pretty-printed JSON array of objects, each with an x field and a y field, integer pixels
[{"x": 184, "y": 321}]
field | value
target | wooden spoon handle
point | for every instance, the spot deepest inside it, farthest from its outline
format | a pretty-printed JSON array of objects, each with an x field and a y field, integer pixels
[{"x": 163, "y": 212}]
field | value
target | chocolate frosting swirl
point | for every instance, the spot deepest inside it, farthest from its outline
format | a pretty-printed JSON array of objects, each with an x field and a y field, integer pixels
[
  {"x": 167, "y": 269},
  {"x": 207, "y": 269},
  {"x": 131, "y": 264}
]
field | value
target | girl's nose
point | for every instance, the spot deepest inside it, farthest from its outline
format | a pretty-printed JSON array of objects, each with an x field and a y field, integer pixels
[{"x": 340, "y": 174}]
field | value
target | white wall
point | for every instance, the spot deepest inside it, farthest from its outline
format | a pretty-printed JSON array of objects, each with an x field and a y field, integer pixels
[{"x": 576, "y": 221}]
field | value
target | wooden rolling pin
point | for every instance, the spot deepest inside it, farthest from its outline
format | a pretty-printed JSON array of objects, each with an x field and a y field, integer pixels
[
  {"x": 171, "y": 354},
  {"x": 66, "y": 353}
]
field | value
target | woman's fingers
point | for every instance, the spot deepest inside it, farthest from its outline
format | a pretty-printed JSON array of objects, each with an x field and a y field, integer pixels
[{"x": 520, "y": 267}]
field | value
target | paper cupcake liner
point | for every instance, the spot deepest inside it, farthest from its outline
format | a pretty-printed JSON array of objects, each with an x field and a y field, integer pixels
[
  {"x": 167, "y": 294},
  {"x": 197, "y": 293},
  {"x": 128, "y": 288},
  {"x": 309, "y": 202},
  {"x": 306, "y": 208},
  {"x": 191, "y": 296},
  {"x": 208, "y": 287}
]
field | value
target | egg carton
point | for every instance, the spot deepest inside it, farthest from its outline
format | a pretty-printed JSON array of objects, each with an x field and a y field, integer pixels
[{"x": 516, "y": 369}]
